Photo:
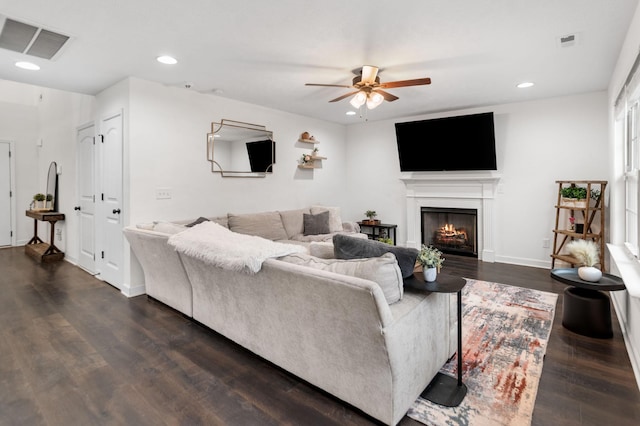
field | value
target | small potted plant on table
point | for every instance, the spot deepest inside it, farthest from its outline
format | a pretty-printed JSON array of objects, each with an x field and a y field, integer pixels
[
  {"x": 38, "y": 201},
  {"x": 431, "y": 260},
  {"x": 370, "y": 214}
]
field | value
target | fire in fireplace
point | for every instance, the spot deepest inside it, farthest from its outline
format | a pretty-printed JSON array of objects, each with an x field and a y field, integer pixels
[{"x": 451, "y": 230}]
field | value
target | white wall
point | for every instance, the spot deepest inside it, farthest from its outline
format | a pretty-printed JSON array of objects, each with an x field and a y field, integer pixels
[
  {"x": 627, "y": 307},
  {"x": 167, "y": 149},
  {"x": 537, "y": 143}
]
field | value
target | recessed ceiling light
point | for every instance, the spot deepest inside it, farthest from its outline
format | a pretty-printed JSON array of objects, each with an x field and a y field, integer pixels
[
  {"x": 167, "y": 60},
  {"x": 351, "y": 113},
  {"x": 27, "y": 66},
  {"x": 524, "y": 85}
]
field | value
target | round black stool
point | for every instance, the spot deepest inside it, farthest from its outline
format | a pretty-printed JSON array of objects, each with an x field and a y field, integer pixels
[{"x": 587, "y": 312}]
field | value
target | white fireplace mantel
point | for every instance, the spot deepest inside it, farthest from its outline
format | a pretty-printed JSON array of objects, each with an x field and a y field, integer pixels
[{"x": 469, "y": 190}]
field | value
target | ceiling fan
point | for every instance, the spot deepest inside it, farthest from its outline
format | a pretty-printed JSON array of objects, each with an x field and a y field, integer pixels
[{"x": 368, "y": 88}]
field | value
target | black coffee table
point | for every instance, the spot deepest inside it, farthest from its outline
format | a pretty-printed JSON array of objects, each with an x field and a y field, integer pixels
[
  {"x": 586, "y": 309},
  {"x": 443, "y": 389}
]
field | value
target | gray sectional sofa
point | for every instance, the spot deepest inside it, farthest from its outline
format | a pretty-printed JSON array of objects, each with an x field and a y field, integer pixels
[{"x": 335, "y": 330}]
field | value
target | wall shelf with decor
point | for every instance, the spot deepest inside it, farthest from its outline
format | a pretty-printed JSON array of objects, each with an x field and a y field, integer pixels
[
  {"x": 311, "y": 160},
  {"x": 579, "y": 200}
]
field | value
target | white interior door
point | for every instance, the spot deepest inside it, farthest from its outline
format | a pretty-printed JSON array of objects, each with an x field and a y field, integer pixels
[
  {"x": 86, "y": 197},
  {"x": 112, "y": 250},
  {"x": 5, "y": 194}
]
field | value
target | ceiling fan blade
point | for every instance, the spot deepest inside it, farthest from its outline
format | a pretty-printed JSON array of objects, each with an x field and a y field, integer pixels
[
  {"x": 339, "y": 98},
  {"x": 328, "y": 85},
  {"x": 369, "y": 74},
  {"x": 386, "y": 95},
  {"x": 405, "y": 83}
]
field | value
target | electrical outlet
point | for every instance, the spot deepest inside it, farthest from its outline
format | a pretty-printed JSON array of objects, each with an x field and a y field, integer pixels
[
  {"x": 163, "y": 193},
  {"x": 545, "y": 243},
  {"x": 59, "y": 234}
]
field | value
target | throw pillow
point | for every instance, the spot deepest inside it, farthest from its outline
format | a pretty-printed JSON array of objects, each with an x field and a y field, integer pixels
[
  {"x": 266, "y": 225},
  {"x": 382, "y": 270},
  {"x": 357, "y": 248},
  {"x": 315, "y": 224},
  {"x": 335, "y": 221},
  {"x": 323, "y": 250},
  {"x": 168, "y": 227},
  {"x": 197, "y": 221},
  {"x": 293, "y": 221}
]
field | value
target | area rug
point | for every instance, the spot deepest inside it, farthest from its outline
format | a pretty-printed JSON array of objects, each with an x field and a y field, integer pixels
[{"x": 505, "y": 330}]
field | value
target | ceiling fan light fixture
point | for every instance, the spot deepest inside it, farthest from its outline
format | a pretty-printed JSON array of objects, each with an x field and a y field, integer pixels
[
  {"x": 358, "y": 100},
  {"x": 374, "y": 100}
]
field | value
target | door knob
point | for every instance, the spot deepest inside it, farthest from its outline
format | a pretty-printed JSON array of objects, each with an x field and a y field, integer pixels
[
  {"x": 76, "y": 208},
  {"x": 116, "y": 211}
]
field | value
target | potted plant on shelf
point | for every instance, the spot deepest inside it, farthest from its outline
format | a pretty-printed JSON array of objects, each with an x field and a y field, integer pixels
[
  {"x": 371, "y": 214},
  {"x": 576, "y": 196},
  {"x": 430, "y": 258},
  {"x": 39, "y": 201},
  {"x": 586, "y": 252}
]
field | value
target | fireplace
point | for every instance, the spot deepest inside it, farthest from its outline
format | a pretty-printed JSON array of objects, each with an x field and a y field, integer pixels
[
  {"x": 451, "y": 230},
  {"x": 471, "y": 190}
]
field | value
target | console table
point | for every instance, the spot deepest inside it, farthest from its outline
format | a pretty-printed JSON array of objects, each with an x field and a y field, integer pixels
[
  {"x": 443, "y": 389},
  {"x": 378, "y": 230},
  {"x": 586, "y": 309},
  {"x": 38, "y": 249}
]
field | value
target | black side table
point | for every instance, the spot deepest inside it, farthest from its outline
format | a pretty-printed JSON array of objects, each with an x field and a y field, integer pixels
[
  {"x": 378, "y": 230},
  {"x": 443, "y": 389},
  {"x": 586, "y": 309}
]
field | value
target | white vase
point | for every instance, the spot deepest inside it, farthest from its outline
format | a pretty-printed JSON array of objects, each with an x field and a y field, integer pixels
[
  {"x": 430, "y": 274},
  {"x": 589, "y": 273}
]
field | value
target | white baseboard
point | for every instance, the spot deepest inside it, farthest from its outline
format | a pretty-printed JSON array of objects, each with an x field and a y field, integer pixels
[
  {"x": 534, "y": 263},
  {"x": 133, "y": 291}
]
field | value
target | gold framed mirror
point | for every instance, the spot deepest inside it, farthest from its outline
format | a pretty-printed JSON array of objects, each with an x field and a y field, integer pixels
[{"x": 238, "y": 149}]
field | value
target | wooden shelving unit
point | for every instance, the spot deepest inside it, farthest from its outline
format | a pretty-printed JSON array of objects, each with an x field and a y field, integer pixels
[
  {"x": 314, "y": 163},
  {"x": 592, "y": 213}
]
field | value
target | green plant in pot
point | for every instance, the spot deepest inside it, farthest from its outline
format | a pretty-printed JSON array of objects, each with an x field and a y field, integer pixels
[
  {"x": 39, "y": 200},
  {"x": 370, "y": 214},
  {"x": 431, "y": 260}
]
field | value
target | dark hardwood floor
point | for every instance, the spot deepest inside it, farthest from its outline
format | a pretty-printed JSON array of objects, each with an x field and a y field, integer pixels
[{"x": 74, "y": 351}]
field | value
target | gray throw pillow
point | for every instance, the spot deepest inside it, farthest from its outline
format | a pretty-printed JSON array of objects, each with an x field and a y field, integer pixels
[
  {"x": 197, "y": 221},
  {"x": 315, "y": 224},
  {"x": 345, "y": 247}
]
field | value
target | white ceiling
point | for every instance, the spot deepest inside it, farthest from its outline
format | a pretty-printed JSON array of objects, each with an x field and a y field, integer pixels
[{"x": 262, "y": 52}]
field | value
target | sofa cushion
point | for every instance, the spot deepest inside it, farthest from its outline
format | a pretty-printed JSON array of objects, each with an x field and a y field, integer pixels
[
  {"x": 293, "y": 222},
  {"x": 266, "y": 225},
  {"x": 323, "y": 250},
  {"x": 168, "y": 227},
  {"x": 335, "y": 221},
  {"x": 315, "y": 224},
  {"x": 356, "y": 248},
  {"x": 382, "y": 270}
]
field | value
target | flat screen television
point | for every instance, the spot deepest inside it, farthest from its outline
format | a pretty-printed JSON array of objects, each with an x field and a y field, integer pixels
[{"x": 452, "y": 143}]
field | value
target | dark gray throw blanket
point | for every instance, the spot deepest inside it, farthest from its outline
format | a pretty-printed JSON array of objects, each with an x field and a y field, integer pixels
[{"x": 345, "y": 247}]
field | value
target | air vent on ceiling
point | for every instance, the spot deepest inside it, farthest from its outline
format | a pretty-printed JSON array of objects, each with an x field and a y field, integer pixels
[
  {"x": 568, "y": 40},
  {"x": 31, "y": 40}
]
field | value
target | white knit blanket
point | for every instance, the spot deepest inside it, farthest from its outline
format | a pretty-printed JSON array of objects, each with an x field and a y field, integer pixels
[{"x": 216, "y": 245}]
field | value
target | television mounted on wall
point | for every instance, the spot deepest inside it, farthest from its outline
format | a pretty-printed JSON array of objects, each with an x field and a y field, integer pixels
[{"x": 447, "y": 144}]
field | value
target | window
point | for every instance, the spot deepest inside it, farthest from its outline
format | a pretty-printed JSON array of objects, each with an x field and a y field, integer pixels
[{"x": 627, "y": 110}]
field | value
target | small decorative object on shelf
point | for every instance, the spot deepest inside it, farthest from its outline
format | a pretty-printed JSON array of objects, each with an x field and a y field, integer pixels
[
  {"x": 371, "y": 214},
  {"x": 431, "y": 260},
  {"x": 572, "y": 222},
  {"x": 307, "y": 137},
  {"x": 587, "y": 254}
]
